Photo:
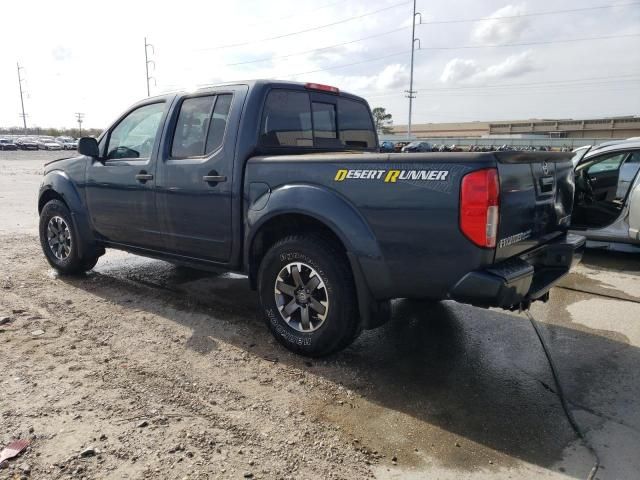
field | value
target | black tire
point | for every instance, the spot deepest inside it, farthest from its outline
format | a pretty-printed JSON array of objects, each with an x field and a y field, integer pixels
[
  {"x": 65, "y": 259},
  {"x": 319, "y": 257}
]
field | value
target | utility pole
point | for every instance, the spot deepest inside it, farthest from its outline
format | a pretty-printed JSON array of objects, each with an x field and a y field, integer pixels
[
  {"x": 24, "y": 116},
  {"x": 147, "y": 62},
  {"x": 79, "y": 117},
  {"x": 411, "y": 93}
]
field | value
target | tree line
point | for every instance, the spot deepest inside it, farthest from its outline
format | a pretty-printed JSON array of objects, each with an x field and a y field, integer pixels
[{"x": 51, "y": 132}]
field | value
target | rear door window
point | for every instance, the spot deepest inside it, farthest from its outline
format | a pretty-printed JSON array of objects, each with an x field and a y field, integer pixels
[
  {"x": 191, "y": 129},
  {"x": 201, "y": 124},
  {"x": 218, "y": 124}
]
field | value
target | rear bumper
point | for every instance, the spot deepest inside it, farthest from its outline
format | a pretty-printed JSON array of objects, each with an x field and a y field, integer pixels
[{"x": 522, "y": 279}]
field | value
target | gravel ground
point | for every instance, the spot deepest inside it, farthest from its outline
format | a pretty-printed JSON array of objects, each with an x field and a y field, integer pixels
[{"x": 104, "y": 366}]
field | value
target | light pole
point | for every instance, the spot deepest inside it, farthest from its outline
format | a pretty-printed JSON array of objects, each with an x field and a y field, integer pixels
[
  {"x": 411, "y": 92},
  {"x": 79, "y": 117},
  {"x": 24, "y": 116},
  {"x": 147, "y": 62}
]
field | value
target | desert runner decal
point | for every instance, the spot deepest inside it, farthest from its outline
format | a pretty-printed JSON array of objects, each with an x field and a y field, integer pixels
[{"x": 391, "y": 176}]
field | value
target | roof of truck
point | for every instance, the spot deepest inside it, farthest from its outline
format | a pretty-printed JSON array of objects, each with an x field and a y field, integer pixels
[{"x": 260, "y": 83}]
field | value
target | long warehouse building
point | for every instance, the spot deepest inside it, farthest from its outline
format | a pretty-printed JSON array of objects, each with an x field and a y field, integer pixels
[{"x": 613, "y": 127}]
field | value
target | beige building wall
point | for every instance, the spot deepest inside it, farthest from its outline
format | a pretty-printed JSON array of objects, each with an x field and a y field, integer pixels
[{"x": 620, "y": 127}]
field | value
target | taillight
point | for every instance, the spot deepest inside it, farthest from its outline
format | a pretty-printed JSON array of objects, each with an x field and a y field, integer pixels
[
  {"x": 479, "y": 207},
  {"x": 321, "y": 87}
]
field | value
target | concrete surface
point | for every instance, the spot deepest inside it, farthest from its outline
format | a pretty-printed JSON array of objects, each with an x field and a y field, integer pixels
[{"x": 454, "y": 391}]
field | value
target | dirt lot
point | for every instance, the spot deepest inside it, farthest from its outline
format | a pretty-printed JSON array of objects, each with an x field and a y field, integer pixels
[{"x": 141, "y": 369}]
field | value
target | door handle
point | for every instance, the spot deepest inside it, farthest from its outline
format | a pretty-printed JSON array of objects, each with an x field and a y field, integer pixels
[
  {"x": 143, "y": 177},
  {"x": 214, "y": 178}
]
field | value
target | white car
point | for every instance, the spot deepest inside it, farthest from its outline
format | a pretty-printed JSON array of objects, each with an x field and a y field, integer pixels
[
  {"x": 607, "y": 198},
  {"x": 67, "y": 143},
  {"x": 48, "y": 143}
]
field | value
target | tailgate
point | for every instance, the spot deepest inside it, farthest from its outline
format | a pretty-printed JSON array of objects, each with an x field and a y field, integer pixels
[{"x": 536, "y": 199}]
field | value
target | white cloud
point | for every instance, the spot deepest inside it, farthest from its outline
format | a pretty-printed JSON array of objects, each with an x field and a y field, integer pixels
[
  {"x": 459, "y": 69},
  {"x": 469, "y": 71},
  {"x": 512, "y": 66},
  {"x": 497, "y": 30},
  {"x": 392, "y": 76},
  {"x": 61, "y": 53}
]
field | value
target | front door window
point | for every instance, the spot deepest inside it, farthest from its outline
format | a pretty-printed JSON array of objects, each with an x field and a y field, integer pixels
[{"x": 135, "y": 135}]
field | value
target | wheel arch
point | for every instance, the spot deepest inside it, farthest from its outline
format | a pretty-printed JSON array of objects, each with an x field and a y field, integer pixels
[
  {"x": 304, "y": 208},
  {"x": 46, "y": 196},
  {"x": 58, "y": 186}
]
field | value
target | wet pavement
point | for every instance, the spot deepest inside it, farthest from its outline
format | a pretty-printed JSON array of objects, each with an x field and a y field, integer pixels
[{"x": 454, "y": 391}]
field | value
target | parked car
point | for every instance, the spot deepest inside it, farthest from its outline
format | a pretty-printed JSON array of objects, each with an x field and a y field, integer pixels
[
  {"x": 399, "y": 146},
  {"x": 67, "y": 143},
  {"x": 387, "y": 146},
  {"x": 6, "y": 144},
  {"x": 235, "y": 177},
  {"x": 48, "y": 143},
  {"x": 417, "y": 146},
  {"x": 26, "y": 143},
  {"x": 607, "y": 206}
]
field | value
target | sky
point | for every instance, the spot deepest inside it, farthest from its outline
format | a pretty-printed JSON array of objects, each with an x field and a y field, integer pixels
[{"x": 475, "y": 60}]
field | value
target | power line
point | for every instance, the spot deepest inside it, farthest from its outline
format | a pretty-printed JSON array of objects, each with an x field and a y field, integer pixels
[
  {"x": 607, "y": 37},
  {"x": 297, "y": 14},
  {"x": 533, "y": 14},
  {"x": 329, "y": 47},
  {"x": 460, "y": 47},
  {"x": 529, "y": 84},
  {"x": 434, "y": 22},
  {"x": 539, "y": 90},
  {"x": 349, "y": 64},
  {"x": 576, "y": 82},
  {"x": 312, "y": 29},
  {"x": 526, "y": 44}
]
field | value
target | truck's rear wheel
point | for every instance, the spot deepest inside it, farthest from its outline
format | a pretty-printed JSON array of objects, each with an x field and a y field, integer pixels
[
  {"x": 308, "y": 296},
  {"x": 59, "y": 240}
]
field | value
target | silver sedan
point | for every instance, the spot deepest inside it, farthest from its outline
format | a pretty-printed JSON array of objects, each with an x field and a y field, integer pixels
[{"x": 607, "y": 200}]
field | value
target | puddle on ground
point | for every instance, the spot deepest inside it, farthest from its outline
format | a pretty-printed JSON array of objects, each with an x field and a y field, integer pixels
[{"x": 614, "y": 316}]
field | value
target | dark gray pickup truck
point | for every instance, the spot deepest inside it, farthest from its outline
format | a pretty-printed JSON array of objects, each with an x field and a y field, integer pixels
[{"x": 283, "y": 181}]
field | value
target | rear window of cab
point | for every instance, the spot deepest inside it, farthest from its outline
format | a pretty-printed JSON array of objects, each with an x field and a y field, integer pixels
[{"x": 292, "y": 119}]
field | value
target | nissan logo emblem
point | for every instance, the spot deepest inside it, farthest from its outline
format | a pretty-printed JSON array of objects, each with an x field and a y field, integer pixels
[{"x": 545, "y": 168}]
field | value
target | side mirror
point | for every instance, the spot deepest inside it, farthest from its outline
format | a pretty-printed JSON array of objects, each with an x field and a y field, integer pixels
[{"x": 88, "y": 146}]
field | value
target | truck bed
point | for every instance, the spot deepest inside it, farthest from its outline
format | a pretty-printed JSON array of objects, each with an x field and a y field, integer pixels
[{"x": 411, "y": 204}]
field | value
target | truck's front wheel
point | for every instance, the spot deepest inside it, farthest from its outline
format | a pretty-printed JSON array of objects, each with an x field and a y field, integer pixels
[
  {"x": 59, "y": 241},
  {"x": 308, "y": 296}
]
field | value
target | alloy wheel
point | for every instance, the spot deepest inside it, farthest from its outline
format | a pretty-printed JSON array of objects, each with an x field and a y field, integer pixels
[
  {"x": 59, "y": 238},
  {"x": 301, "y": 296}
]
